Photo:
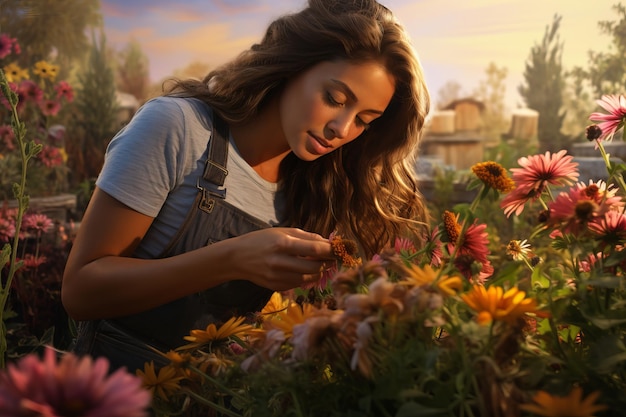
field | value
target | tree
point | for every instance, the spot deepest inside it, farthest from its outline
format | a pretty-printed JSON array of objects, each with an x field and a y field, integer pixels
[
  {"x": 47, "y": 28},
  {"x": 132, "y": 75},
  {"x": 492, "y": 93},
  {"x": 96, "y": 120},
  {"x": 607, "y": 70},
  {"x": 544, "y": 87}
]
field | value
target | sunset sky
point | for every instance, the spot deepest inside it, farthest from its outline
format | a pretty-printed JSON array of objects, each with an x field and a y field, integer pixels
[{"x": 455, "y": 39}]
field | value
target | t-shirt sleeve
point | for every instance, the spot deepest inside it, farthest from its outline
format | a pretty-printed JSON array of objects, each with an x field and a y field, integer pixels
[{"x": 143, "y": 162}]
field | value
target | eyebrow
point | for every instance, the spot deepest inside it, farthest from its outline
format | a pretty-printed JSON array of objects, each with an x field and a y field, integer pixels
[{"x": 343, "y": 86}]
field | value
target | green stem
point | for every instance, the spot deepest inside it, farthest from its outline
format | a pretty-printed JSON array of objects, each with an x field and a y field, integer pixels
[
  {"x": 607, "y": 162},
  {"x": 22, "y": 201},
  {"x": 211, "y": 404}
]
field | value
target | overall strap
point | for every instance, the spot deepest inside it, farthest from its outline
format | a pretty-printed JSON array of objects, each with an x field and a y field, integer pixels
[{"x": 215, "y": 169}]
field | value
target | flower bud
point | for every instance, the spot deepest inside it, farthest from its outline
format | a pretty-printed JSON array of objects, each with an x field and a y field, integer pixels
[{"x": 593, "y": 132}]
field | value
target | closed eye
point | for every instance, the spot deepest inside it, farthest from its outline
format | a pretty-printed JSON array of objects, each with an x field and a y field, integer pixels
[{"x": 330, "y": 100}]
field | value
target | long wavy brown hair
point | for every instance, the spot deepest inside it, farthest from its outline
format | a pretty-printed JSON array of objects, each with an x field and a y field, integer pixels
[{"x": 365, "y": 190}]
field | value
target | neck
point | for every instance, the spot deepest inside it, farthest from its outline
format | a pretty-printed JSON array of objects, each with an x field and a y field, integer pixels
[{"x": 262, "y": 143}]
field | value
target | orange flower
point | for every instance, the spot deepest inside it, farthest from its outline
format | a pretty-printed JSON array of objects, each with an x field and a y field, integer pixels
[
  {"x": 275, "y": 305},
  {"x": 494, "y": 304},
  {"x": 572, "y": 405},
  {"x": 161, "y": 383},
  {"x": 233, "y": 327},
  {"x": 493, "y": 175},
  {"x": 426, "y": 275},
  {"x": 286, "y": 319}
]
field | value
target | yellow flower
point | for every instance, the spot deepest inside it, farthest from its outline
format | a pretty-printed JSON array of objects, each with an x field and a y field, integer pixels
[
  {"x": 493, "y": 175},
  {"x": 46, "y": 70},
  {"x": 233, "y": 327},
  {"x": 162, "y": 383},
  {"x": 288, "y": 318},
  {"x": 14, "y": 73},
  {"x": 426, "y": 275},
  {"x": 494, "y": 304},
  {"x": 275, "y": 304},
  {"x": 571, "y": 405}
]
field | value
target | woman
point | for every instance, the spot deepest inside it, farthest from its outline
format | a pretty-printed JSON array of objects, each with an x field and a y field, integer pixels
[{"x": 226, "y": 189}]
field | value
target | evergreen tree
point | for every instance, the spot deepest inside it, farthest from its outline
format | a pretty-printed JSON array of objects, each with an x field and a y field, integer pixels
[
  {"x": 544, "y": 87},
  {"x": 96, "y": 120}
]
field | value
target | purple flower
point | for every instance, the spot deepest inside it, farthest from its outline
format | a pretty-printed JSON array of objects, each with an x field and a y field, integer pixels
[{"x": 70, "y": 387}]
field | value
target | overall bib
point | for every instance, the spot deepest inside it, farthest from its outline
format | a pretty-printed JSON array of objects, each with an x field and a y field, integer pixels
[{"x": 126, "y": 341}]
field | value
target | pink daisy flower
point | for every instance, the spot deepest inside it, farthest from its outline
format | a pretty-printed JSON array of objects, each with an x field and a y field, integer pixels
[
  {"x": 535, "y": 174},
  {"x": 404, "y": 244},
  {"x": 72, "y": 386},
  {"x": 31, "y": 91},
  {"x": 36, "y": 222},
  {"x": 7, "y": 229},
  {"x": 50, "y": 156},
  {"x": 572, "y": 211},
  {"x": 589, "y": 262},
  {"x": 610, "y": 122},
  {"x": 64, "y": 90},
  {"x": 5, "y": 45},
  {"x": 473, "y": 252},
  {"x": 610, "y": 228},
  {"x": 50, "y": 107},
  {"x": 434, "y": 247}
]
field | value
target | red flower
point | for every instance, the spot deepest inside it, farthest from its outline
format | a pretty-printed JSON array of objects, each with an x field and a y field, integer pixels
[
  {"x": 5, "y": 45},
  {"x": 50, "y": 107},
  {"x": 64, "y": 90}
]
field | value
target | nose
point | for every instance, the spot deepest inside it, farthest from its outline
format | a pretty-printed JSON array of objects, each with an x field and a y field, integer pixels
[{"x": 339, "y": 127}]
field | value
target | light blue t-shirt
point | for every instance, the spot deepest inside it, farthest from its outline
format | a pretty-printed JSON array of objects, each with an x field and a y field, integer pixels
[{"x": 153, "y": 164}]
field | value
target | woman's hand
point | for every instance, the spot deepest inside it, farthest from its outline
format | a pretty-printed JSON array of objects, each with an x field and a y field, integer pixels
[{"x": 281, "y": 258}]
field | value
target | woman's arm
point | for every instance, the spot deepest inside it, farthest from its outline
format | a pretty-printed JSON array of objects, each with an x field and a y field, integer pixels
[{"x": 101, "y": 280}]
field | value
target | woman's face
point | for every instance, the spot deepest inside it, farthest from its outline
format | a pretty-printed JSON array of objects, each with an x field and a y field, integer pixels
[{"x": 331, "y": 104}]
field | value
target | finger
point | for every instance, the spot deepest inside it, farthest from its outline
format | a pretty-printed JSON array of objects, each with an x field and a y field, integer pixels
[{"x": 302, "y": 234}]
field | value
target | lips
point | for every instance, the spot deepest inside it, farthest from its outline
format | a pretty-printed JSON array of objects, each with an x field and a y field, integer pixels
[{"x": 321, "y": 141}]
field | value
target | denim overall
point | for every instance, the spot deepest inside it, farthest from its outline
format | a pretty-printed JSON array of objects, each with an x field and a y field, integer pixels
[{"x": 126, "y": 341}]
